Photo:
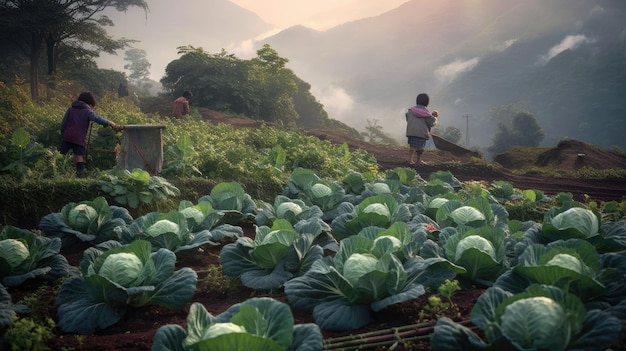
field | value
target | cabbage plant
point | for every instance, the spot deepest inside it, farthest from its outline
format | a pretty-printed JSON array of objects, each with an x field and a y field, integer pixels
[
  {"x": 277, "y": 253},
  {"x": 540, "y": 318},
  {"x": 377, "y": 211},
  {"x": 480, "y": 251},
  {"x": 292, "y": 210},
  {"x": 328, "y": 196},
  {"x": 573, "y": 265},
  {"x": 474, "y": 213},
  {"x": 116, "y": 277},
  {"x": 203, "y": 216},
  {"x": 232, "y": 201},
  {"x": 93, "y": 222},
  {"x": 164, "y": 230},
  {"x": 364, "y": 276},
  {"x": 26, "y": 255},
  {"x": 575, "y": 222},
  {"x": 255, "y": 324}
]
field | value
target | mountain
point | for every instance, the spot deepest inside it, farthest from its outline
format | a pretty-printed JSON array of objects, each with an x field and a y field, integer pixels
[{"x": 563, "y": 60}]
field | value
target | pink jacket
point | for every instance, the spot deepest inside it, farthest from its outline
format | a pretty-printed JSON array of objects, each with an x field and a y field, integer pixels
[
  {"x": 419, "y": 121},
  {"x": 180, "y": 108}
]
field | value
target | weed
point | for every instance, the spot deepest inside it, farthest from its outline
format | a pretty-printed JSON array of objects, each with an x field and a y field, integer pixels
[
  {"x": 448, "y": 288},
  {"x": 24, "y": 334}
]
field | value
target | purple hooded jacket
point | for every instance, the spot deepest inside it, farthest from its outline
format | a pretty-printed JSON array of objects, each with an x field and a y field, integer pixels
[{"x": 76, "y": 120}]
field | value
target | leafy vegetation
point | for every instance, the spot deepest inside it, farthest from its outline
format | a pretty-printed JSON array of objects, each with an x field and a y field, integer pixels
[
  {"x": 341, "y": 239},
  {"x": 114, "y": 277},
  {"x": 256, "y": 324}
]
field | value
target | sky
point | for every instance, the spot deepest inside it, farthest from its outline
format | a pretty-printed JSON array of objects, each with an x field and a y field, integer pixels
[{"x": 316, "y": 14}]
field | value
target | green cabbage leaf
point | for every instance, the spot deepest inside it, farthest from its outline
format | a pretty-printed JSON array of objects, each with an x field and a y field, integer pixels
[
  {"x": 255, "y": 324},
  {"x": 540, "y": 318},
  {"x": 277, "y": 253},
  {"x": 115, "y": 277},
  {"x": 25, "y": 255},
  {"x": 88, "y": 221}
]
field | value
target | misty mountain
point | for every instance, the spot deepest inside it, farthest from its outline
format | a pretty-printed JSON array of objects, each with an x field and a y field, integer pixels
[{"x": 563, "y": 60}]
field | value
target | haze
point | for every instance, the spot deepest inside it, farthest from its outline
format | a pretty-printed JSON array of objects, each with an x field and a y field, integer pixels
[
  {"x": 319, "y": 14},
  {"x": 199, "y": 23}
]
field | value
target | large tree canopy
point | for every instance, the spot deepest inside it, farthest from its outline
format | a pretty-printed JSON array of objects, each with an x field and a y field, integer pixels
[
  {"x": 29, "y": 26},
  {"x": 262, "y": 88}
]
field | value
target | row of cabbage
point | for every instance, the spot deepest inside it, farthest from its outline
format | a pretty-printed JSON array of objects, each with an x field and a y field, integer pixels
[{"x": 346, "y": 249}]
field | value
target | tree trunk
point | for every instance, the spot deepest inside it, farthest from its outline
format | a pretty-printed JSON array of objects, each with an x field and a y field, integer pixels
[
  {"x": 50, "y": 53},
  {"x": 35, "y": 53}
]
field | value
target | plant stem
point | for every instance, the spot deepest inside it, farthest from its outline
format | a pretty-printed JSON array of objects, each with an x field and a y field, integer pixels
[{"x": 382, "y": 337}]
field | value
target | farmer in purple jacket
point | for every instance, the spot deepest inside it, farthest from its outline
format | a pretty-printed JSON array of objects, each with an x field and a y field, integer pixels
[
  {"x": 419, "y": 121},
  {"x": 75, "y": 126}
]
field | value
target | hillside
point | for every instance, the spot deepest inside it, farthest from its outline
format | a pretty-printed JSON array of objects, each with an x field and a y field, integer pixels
[{"x": 565, "y": 156}]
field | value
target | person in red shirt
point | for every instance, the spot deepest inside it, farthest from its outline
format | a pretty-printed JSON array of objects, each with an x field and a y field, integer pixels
[
  {"x": 75, "y": 125},
  {"x": 181, "y": 105}
]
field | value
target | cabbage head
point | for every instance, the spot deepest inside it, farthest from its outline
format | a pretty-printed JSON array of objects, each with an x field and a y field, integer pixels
[
  {"x": 81, "y": 216},
  {"x": 161, "y": 227},
  {"x": 13, "y": 251},
  {"x": 357, "y": 265},
  {"x": 377, "y": 208},
  {"x": 546, "y": 317},
  {"x": 321, "y": 190},
  {"x": 121, "y": 268},
  {"x": 579, "y": 218},
  {"x": 381, "y": 188},
  {"x": 218, "y": 329},
  {"x": 569, "y": 262},
  {"x": 476, "y": 242},
  {"x": 285, "y": 207},
  {"x": 397, "y": 244},
  {"x": 194, "y": 213}
]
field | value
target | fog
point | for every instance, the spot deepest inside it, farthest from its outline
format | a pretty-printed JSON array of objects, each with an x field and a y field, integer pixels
[{"x": 366, "y": 60}]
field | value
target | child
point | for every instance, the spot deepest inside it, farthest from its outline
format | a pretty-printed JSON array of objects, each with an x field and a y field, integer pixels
[
  {"x": 419, "y": 122},
  {"x": 75, "y": 126},
  {"x": 181, "y": 105}
]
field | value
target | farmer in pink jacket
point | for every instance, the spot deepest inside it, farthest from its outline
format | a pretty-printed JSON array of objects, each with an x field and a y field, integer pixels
[
  {"x": 181, "y": 105},
  {"x": 419, "y": 121}
]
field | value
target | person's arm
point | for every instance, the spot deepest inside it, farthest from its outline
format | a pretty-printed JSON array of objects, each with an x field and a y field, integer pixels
[
  {"x": 186, "y": 108},
  {"x": 103, "y": 121}
]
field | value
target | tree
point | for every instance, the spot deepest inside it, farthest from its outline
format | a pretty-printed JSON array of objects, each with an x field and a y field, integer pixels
[
  {"x": 29, "y": 24},
  {"x": 516, "y": 127},
  {"x": 138, "y": 65},
  {"x": 374, "y": 133}
]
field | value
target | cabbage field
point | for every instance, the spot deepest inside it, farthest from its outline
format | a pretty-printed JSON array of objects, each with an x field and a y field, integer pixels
[{"x": 328, "y": 258}]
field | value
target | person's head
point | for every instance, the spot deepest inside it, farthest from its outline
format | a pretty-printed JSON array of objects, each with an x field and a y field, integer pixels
[
  {"x": 422, "y": 99},
  {"x": 187, "y": 94},
  {"x": 88, "y": 98}
]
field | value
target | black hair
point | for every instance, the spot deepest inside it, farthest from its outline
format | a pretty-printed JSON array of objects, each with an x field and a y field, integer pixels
[
  {"x": 422, "y": 99},
  {"x": 88, "y": 98},
  {"x": 187, "y": 94}
]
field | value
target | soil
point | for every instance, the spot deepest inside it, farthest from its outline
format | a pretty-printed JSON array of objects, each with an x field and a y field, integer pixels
[{"x": 136, "y": 331}]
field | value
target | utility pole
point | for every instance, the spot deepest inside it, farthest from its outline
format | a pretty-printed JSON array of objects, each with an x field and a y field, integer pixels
[{"x": 467, "y": 117}]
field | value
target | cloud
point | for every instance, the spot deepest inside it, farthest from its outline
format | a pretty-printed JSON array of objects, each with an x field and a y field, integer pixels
[
  {"x": 503, "y": 46},
  {"x": 451, "y": 71},
  {"x": 336, "y": 100},
  {"x": 570, "y": 42}
]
